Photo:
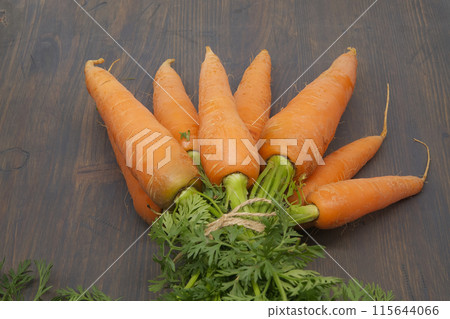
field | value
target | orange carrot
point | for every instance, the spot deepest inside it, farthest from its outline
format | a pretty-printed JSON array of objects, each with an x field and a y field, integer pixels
[
  {"x": 173, "y": 107},
  {"x": 345, "y": 201},
  {"x": 235, "y": 165},
  {"x": 253, "y": 95},
  {"x": 344, "y": 163},
  {"x": 313, "y": 115},
  {"x": 130, "y": 123},
  {"x": 143, "y": 205}
]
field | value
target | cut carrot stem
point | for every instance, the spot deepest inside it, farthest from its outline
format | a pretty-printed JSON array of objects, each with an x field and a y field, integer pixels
[
  {"x": 236, "y": 189},
  {"x": 303, "y": 214},
  {"x": 273, "y": 182},
  {"x": 345, "y": 201},
  {"x": 345, "y": 162}
]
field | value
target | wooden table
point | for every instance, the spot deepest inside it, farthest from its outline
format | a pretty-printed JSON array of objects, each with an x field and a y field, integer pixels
[{"x": 62, "y": 196}]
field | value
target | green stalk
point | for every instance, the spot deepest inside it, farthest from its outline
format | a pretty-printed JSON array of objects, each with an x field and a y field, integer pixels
[
  {"x": 267, "y": 286},
  {"x": 236, "y": 189},
  {"x": 280, "y": 286},
  {"x": 263, "y": 181},
  {"x": 260, "y": 177},
  {"x": 303, "y": 214},
  {"x": 185, "y": 194},
  {"x": 262, "y": 190},
  {"x": 235, "y": 184},
  {"x": 273, "y": 182},
  {"x": 256, "y": 289},
  {"x": 195, "y": 157},
  {"x": 192, "y": 281}
]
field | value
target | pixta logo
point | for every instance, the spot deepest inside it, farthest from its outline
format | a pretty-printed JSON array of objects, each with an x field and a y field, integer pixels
[
  {"x": 150, "y": 144},
  {"x": 219, "y": 150},
  {"x": 226, "y": 151}
]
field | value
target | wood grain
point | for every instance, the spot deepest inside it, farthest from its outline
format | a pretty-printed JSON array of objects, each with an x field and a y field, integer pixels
[{"x": 63, "y": 198}]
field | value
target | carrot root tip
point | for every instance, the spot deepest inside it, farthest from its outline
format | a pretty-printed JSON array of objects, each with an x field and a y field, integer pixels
[
  {"x": 384, "y": 131},
  {"x": 92, "y": 63},
  {"x": 169, "y": 62},
  {"x": 352, "y": 50},
  {"x": 99, "y": 61},
  {"x": 425, "y": 174}
]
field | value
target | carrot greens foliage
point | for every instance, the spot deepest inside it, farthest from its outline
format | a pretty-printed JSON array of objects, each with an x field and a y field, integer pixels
[
  {"x": 15, "y": 284},
  {"x": 234, "y": 263}
]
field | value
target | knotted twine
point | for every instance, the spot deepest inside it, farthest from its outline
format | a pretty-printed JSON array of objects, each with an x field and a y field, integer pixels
[{"x": 235, "y": 218}]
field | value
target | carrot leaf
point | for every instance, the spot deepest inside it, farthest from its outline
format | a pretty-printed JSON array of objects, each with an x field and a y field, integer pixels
[
  {"x": 14, "y": 283},
  {"x": 186, "y": 135}
]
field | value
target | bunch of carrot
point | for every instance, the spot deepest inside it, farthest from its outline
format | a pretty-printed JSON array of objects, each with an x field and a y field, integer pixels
[{"x": 232, "y": 139}]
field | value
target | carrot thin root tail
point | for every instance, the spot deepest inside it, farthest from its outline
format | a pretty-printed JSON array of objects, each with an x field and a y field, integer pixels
[
  {"x": 425, "y": 174},
  {"x": 384, "y": 131},
  {"x": 109, "y": 70}
]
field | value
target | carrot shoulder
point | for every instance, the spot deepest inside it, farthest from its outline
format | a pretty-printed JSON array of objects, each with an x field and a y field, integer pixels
[
  {"x": 345, "y": 201},
  {"x": 173, "y": 107},
  {"x": 253, "y": 96},
  {"x": 160, "y": 164},
  {"x": 143, "y": 205}
]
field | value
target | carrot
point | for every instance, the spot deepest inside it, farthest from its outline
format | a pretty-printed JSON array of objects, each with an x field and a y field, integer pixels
[
  {"x": 173, "y": 107},
  {"x": 143, "y": 205},
  {"x": 345, "y": 201},
  {"x": 312, "y": 115},
  {"x": 344, "y": 163},
  {"x": 129, "y": 122},
  {"x": 253, "y": 95},
  {"x": 235, "y": 166}
]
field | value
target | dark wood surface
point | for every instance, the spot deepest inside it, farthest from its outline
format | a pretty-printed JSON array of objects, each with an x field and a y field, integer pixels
[{"x": 63, "y": 199}]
